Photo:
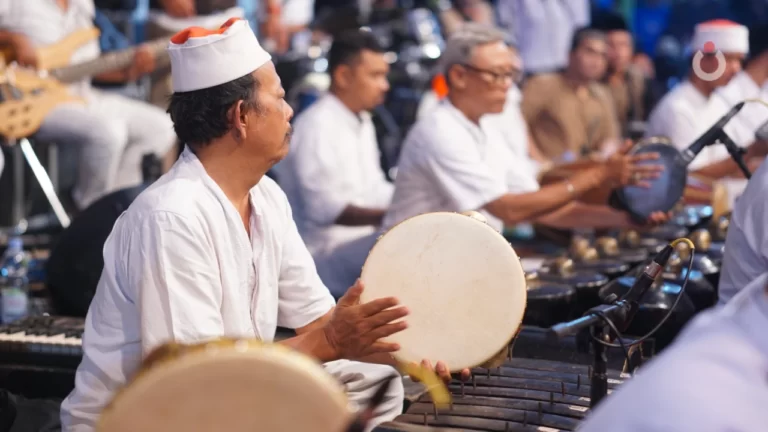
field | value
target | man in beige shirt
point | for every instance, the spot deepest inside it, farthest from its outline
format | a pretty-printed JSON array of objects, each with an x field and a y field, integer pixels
[{"x": 570, "y": 114}]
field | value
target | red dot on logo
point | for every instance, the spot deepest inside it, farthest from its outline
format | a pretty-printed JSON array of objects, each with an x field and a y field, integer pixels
[{"x": 709, "y": 47}]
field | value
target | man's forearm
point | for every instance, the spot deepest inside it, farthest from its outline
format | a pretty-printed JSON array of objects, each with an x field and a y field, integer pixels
[
  {"x": 718, "y": 170},
  {"x": 360, "y": 216},
  {"x": 579, "y": 215},
  {"x": 514, "y": 209}
]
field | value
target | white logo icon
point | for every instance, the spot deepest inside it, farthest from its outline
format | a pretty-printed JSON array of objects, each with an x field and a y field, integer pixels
[{"x": 709, "y": 47}]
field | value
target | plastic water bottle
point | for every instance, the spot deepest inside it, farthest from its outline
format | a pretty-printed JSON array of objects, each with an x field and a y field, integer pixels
[{"x": 14, "y": 283}]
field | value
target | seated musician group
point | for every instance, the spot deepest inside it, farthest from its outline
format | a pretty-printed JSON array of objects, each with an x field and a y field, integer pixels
[{"x": 217, "y": 248}]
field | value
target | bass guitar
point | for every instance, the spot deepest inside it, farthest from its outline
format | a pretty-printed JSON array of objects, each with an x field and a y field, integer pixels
[{"x": 27, "y": 96}]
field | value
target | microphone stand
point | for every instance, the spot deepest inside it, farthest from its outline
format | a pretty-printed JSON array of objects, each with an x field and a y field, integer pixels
[
  {"x": 736, "y": 152},
  {"x": 591, "y": 321}
]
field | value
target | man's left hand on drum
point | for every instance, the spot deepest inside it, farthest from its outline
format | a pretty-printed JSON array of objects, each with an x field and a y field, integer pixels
[
  {"x": 355, "y": 330},
  {"x": 441, "y": 369}
]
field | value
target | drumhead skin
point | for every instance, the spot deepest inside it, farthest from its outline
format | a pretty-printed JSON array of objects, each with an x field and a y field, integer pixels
[
  {"x": 665, "y": 191},
  {"x": 462, "y": 282},
  {"x": 238, "y": 386}
]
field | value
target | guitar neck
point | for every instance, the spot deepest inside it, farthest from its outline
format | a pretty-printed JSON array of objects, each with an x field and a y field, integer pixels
[{"x": 107, "y": 63}]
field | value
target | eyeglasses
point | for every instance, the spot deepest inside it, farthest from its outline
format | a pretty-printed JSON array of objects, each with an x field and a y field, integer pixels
[{"x": 498, "y": 78}]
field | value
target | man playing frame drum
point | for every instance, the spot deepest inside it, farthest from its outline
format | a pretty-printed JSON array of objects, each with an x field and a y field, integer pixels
[
  {"x": 211, "y": 250},
  {"x": 713, "y": 378}
]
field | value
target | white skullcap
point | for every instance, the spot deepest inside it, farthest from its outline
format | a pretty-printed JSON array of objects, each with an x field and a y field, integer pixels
[
  {"x": 202, "y": 58},
  {"x": 721, "y": 35}
]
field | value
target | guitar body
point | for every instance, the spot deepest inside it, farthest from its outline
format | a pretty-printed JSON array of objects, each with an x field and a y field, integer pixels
[
  {"x": 58, "y": 54},
  {"x": 27, "y": 100},
  {"x": 22, "y": 118}
]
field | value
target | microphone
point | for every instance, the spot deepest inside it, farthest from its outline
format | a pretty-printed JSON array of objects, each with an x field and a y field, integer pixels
[
  {"x": 665, "y": 191},
  {"x": 711, "y": 136},
  {"x": 622, "y": 311},
  {"x": 643, "y": 283}
]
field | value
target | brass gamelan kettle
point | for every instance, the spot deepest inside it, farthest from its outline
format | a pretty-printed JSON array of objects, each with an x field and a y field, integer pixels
[
  {"x": 548, "y": 302},
  {"x": 632, "y": 239},
  {"x": 611, "y": 248},
  {"x": 587, "y": 283},
  {"x": 585, "y": 257},
  {"x": 654, "y": 305}
]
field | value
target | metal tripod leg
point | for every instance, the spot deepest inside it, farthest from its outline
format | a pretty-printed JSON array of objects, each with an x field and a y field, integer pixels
[{"x": 45, "y": 182}]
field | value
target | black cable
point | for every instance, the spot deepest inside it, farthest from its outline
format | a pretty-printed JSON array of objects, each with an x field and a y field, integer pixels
[{"x": 621, "y": 343}]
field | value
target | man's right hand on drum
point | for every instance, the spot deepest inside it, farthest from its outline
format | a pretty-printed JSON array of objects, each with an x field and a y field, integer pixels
[
  {"x": 354, "y": 330},
  {"x": 623, "y": 169}
]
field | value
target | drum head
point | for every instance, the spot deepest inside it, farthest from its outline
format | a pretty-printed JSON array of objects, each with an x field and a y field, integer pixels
[
  {"x": 230, "y": 388},
  {"x": 462, "y": 282},
  {"x": 664, "y": 191}
]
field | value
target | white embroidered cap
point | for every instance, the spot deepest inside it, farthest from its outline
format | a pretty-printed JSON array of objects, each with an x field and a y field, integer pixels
[
  {"x": 721, "y": 35},
  {"x": 202, "y": 58}
]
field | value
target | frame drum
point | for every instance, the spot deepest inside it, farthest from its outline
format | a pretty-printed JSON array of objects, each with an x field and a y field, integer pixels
[
  {"x": 228, "y": 385},
  {"x": 461, "y": 280}
]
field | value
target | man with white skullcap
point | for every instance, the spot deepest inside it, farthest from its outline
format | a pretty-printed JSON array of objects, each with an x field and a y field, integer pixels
[
  {"x": 211, "y": 250},
  {"x": 750, "y": 83},
  {"x": 686, "y": 112},
  {"x": 713, "y": 378}
]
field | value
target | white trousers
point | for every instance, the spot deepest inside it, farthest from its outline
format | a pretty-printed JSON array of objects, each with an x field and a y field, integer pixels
[
  {"x": 361, "y": 381},
  {"x": 114, "y": 133}
]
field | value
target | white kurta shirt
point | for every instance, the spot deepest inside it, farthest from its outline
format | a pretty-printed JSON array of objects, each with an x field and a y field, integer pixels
[
  {"x": 683, "y": 115},
  {"x": 510, "y": 122},
  {"x": 543, "y": 29},
  {"x": 742, "y": 127},
  {"x": 714, "y": 378},
  {"x": 179, "y": 265},
  {"x": 334, "y": 162},
  {"x": 449, "y": 163},
  {"x": 746, "y": 244}
]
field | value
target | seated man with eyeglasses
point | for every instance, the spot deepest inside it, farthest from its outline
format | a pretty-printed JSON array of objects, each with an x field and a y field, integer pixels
[
  {"x": 455, "y": 160},
  {"x": 571, "y": 114}
]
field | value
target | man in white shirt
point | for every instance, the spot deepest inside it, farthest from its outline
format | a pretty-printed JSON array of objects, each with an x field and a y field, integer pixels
[
  {"x": 750, "y": 83},
  {"x": 332, "y": 175},
  {"x": 714, "y": 378},
  {"x": 686, "y": 112},
  {"x": 746, "y": 243},
  {"x": 543, "y": 29},
  {"x": 452, "y": 161},
  {"x": 211, "y": 250},
  {"x": 510, "y": 121},
  {"x": 113, "y": 132}
]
